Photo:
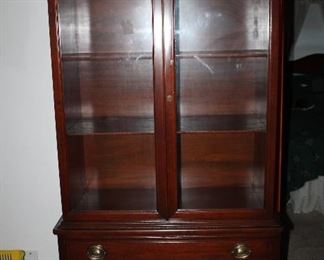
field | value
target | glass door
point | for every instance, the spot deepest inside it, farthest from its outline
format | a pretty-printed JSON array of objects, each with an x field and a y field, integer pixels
[
  {"x": 221, "y": 84},
  {"x": 107, "y": 74}
]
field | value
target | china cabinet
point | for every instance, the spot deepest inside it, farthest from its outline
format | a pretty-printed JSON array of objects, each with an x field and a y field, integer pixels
[{"x": 169, "y": 125}]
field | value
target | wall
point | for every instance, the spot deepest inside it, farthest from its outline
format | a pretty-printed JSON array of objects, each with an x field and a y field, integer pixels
[
  {"x": 29, "y": 185},
  {"x": 311, "y": 37}
]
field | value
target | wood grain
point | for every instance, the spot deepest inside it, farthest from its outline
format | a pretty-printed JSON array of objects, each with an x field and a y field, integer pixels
[
  {"x": 126, "y": 161},
  {"x": 221, "y": 198},
  {"x": 218, "y": 147},
  {"x": 210, "y": 86},
  {"x": 113, "y": 125},
  {"x": 215, "y": 163},
  {"x": 129, "y": 125},
  {"x": 117, "y": 199},
  {"x": 207, "y": 249},
  {"x": 230, "y": 122}
]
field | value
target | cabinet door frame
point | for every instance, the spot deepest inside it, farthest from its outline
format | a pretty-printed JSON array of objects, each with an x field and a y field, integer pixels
[
  {"x": 165, "y": 124},
  {"x": 274, "y": 124},
  {"x": 165, "y": 108},
  {"x": 69, "y": 213}
]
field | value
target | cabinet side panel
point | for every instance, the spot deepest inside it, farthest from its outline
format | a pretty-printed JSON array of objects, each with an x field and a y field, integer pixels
[{"x": 58, "y": 102}]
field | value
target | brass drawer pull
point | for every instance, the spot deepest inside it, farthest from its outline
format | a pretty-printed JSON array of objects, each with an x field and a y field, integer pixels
[
  {"x": 96, "y": 252},
  {"x": 241, "y": 251}
]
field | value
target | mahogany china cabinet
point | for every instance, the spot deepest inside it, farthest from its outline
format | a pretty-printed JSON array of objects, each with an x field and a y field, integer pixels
[{"x": 169, "y": 125}]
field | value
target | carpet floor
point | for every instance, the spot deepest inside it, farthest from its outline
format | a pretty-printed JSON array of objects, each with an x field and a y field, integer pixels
[{"x": 307, "y": 237}]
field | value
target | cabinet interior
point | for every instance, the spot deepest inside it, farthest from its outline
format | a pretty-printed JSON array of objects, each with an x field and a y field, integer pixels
[{"x": 221, "y": 68}]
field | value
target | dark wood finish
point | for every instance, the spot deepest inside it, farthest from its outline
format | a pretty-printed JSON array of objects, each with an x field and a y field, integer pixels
[
  {"x": 129, "y": 125},
  {"x": 77, "y": 180},
  {"x": 221, "y": 147},
  {"x": 110, "y": 88},
  {"x": 148, "y": 55},
  {"x": 224, "y": 54},
  {"x": 173, "y": 243},
  {"x": 220, "y": 168},
  {"x": 221, "y": 122},
  {"x": 106, "y": 56},
  {"x": 182, "y": 239},
  {"x": 171, "y": 105},
  {"x": 219, "y": 174},
  {"x": 58, "y": 103},
  {"x": 160, "y": 110},
  {"x": 114, "y": 125},
  {"x": 212, "y": 86},
  {"x": 117, "y": 199},
  {"x": 126, "y": 161},
  {"x": 275, "y": 110},
  {"x": 174, "y": 249},
  {"x": 102, "y": 162},
  {"x": 259, "y": 163},
  {"x": 222, "y": 198},
  {"x": 169, "y": 126},
  {"x": 183, "y": 227}
]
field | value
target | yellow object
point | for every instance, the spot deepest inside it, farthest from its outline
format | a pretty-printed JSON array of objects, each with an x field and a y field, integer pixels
[{"x": 12, "y": 255}]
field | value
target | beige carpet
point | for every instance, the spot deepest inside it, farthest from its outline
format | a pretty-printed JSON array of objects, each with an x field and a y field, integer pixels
[{"x": 307, "y": 237}]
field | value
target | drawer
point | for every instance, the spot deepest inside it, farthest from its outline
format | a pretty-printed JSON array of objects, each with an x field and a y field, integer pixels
[{"x": 175, "y": 249}]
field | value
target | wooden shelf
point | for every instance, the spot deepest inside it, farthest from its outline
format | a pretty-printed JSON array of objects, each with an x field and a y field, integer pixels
[
  {"x": 187, "y": 124},
  {"x": 207, "y": 174},
  {"x": 149, "y": 55},
  {"x": 97, "y": 125},
  {"x": 221, "y": 123},
  {"x": 107, "y": 56},
  {"x": 221, "y": 198},
  {"x": 224, "y": 54},
  {"x": 193, "y": 198},
  {"x": 118, "y": 199}
]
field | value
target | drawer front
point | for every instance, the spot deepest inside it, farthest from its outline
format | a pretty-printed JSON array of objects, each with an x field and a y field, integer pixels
[{"x": 175, "y": 249}]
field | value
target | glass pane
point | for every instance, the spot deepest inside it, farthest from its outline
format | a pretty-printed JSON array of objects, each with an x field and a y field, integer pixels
[
  {"x": 222, "y": 170},
  {"x": 222, "y": 70},
  {"x": 89, "y": 26},
  {"x": 107, "y": 72},
  {"x": 228, "y": 25},
  {"x": 108, "y": 95},
  {"x": 222, "y": 93}
]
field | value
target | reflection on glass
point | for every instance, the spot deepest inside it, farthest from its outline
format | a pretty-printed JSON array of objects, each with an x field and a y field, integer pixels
[
  {"x": 221, "y": 66},
  {"x": 221, "y": 93},
  {"x": 208, "y": 25},
  {"x": 222, "y": 170},
  {"x": 108, "y": 102},
  {"x": 109, "y": 95},
  {"x": 106, "y": 26}
]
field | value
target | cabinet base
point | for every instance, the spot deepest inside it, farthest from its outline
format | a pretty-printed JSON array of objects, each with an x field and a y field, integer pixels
[{"x": 165, "y": 241}]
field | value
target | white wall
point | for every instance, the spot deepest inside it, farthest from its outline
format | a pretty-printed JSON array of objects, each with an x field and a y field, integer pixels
[
  {"x": 311, "y": 37},
  {"x": 29, "y": 185}
]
